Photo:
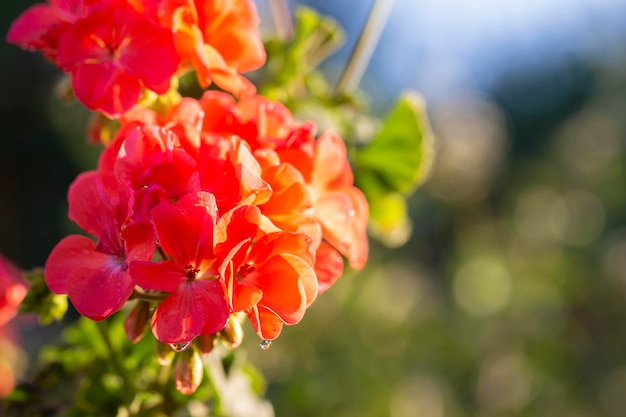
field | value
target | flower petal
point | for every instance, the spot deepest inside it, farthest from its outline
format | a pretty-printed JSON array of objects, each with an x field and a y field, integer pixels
[
  {"x": 265, "y": 323},
  {"x": 101, "y": 288},
  {"x": 328, "y": 266},
  {"x": 194, "y": 308},
  {"x": 160, "y": 276},
  {"x": 185, "y": 230},
  {"x": 287, "y": 282},
  {"x": 69, "y": 254}
]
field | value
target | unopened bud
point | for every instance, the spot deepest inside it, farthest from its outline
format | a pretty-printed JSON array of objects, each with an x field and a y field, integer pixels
[
  {"x": 205, "y": 343},
  {"x": 188, "y": 371},
  {"x": 136, "y": 323},
  {"x": 100, "y": 129},
  {"x": 163, "y": 352},
  {"x": 232, "y": 334}
]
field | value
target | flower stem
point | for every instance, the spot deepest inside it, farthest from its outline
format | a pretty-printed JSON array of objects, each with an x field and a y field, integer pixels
[
  {"x": 104, "y": 330},
  {"x": 137, "y": 295},
  {"x": 362, "y": 52},
  {"x": 282, "y": 19}
]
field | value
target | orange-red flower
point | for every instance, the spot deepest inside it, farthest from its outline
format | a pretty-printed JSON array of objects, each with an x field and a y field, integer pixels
[
  {"x": 322, "y": 166},
  {"x": 95, "y": 274},
  {"x": 219, "y": 38},
  {"x": 112, "y": 53},
  {"x": 13, "y": 288},
  {"x": 196, "y": 303},
  {"x": 270, "y": 277}
]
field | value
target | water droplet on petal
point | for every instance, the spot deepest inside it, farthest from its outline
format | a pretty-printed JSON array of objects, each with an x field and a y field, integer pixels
[
  {"x": 351, "y": 213},
  {"x": 179, "y": 347},
  {"x": 265, "y": 344}
]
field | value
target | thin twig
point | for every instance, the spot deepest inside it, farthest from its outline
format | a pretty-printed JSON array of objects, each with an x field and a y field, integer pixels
[
  {"x": 103, "y": 329},
  {"x": 282, "y": 19},
  {"x": 362, "y": 53},
  {"x": 137, "y": 295}
]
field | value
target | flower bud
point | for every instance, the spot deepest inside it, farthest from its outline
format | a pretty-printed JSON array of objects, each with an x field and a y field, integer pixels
[
  {"x": 136, "y": 323},
  {"x": 163, "y": 352},
  {"x": 205, "y": 343},
  {"x": 188, "y": 371},
  {"x": 232, "y": 334}
]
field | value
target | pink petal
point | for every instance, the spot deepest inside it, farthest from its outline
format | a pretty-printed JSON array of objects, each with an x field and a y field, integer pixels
[
  {"x": 150, "y": 56},
  {"x": 69, "y": 254},
  {"x": 331, "y": 162},
  {"x": 196, "y": 307},
  {"x": 287, "y": 283},
  {"x": 185, "y": 230},
  {"x": 234, "y": 226},
  {"x": 160, "y": 276},
  {"x": 39, "y": 27},
  {"x": 100, "y": 288},
  {"x": 106, "y": 88},
  {"x": 328, "y": 266},
  {"x": 92, "y": 210},
  {"x": 265, "y": 323}
]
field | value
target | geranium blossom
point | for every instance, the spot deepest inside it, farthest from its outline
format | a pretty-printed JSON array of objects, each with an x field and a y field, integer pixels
[
  {"x": 219, "y": 38},
  {"x": 13, "y": 288},
  {"x": 196, "y": 303},
  {"x": 112, "y": 53},
  {"x": 111, "y": 48},
  {"x": 95, "y": 274},
  {"x": 332, "y": 201}
]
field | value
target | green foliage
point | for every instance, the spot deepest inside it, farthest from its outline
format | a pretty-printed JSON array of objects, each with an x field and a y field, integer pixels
[
  {"x": 96, "y": 371},
  {"x": 290, "y": 73},
  {"x": 393, "y": 164},
  {"x": 40, "y": 300}
]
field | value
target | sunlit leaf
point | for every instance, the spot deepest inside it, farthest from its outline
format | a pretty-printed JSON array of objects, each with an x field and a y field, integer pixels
[
  {"x": 40, "y": 300},
  {"x": 392, "y": 165},
  {"x": 400, "y": 154}
]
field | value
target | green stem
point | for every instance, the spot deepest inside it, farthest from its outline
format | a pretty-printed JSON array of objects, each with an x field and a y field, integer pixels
[
  {"x": 104, "y": 330},
  {"x": 362, "y": 53},
  {"x": 282, "y": 19},
  {"x": 137, "y": 295}
]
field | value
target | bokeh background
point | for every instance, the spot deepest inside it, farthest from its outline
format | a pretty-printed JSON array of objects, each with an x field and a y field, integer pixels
[{"x": 509, "y": 298}]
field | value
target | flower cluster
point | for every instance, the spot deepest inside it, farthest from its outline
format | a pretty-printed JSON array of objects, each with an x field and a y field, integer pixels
[
  {"x": 115, "y": 48},
  {"x": 245, "y": 209},
  {"x": 208, "y": 209},
  {"x": 13, "y": 287}
]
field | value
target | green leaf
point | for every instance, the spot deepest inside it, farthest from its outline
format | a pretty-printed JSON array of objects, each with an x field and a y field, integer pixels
[
  {"x": 392, "y": 165},
  {"x": 316, "y": 36},
  {"x": 40, "y": 300},
  {"x": 400, "y": 155},
  {"x": 390, "y": 222}
]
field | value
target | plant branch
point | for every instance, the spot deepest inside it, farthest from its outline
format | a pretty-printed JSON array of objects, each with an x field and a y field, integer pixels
[
  {"x": 282, "y": 19},
  {"x": 104, "y": 330},
  {"x": 362, "y": 52},
  {"x": 138, "y": 295}
]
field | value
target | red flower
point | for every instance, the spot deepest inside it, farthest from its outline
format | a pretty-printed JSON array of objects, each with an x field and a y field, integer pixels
[
  {"x": 13, "y": 288},
  {"x": 219, "y": 38},
  {"x": 196, "y": 303},
  {"x": 112, "y": 53},
  {"x": 95, "y": 274},
  {"x": 228, "y": 169},
  {"x": 261, "y": 122},
  {"x": 341, "y": 208},
  {"x": 41, "y": 25},
  {"x": 300, "y": 161},
  {"x": 270, "y": 278}
]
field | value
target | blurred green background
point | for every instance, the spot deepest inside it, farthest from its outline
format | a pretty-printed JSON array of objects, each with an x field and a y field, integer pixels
[{"x": 509, "y": 298}]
